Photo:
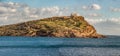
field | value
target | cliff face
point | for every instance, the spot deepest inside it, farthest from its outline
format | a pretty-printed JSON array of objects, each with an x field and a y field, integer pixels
[{"x": 67, "y": 26}]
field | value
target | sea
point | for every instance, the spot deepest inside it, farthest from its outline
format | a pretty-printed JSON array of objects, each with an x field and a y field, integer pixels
[{"x": 51, "y": 46}]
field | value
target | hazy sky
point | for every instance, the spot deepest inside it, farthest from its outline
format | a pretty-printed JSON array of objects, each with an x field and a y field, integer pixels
[
  {"x": 103, "y": 14},
  {"x": 109, "y": 8}
]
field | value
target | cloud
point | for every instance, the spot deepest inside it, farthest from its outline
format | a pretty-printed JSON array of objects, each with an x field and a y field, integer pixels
[
  {"x": 96, "y": 6},
  {"x": 85, "y": 7},
  {"x": 3, "y": 9},
  {"x": 11, "y": 13},
  {"x": 108, "y": 26},
  {"x": 92, "y": 7},
  {"x": 51, "y": 11},
  {"x": 14, "y": 13},
  {"x": 99, "y": 20},
  {"x": 95, "y": 21},
  {"x": 94, "y": 15},
  {"x": 115, "y": 9}
]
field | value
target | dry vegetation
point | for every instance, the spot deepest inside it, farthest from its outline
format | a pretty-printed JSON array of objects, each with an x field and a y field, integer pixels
[{"x": 66, "y": 26}]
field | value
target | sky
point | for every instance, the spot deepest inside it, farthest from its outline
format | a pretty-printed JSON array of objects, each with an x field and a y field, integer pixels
[{"x": 104, "y": 15}]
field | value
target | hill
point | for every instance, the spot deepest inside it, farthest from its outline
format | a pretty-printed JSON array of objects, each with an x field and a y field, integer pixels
[{"x": 66, "y": 26}]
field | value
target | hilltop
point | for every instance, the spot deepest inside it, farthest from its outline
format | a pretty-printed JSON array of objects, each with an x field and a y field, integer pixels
[{"x": 65, "y": 26}]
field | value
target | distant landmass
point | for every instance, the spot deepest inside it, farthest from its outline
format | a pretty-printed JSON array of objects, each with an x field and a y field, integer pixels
[{"x": 64, "y": 26}]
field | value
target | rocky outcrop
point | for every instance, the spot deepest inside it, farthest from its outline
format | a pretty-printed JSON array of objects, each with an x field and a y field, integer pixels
[{"x": 66, "y": 26}]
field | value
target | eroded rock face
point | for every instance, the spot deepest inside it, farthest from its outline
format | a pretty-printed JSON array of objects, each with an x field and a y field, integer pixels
[{"x": 66, "y": 26}]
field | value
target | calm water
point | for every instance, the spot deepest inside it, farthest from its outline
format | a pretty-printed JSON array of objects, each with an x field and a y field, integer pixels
[{"x": 46, "y": 46}]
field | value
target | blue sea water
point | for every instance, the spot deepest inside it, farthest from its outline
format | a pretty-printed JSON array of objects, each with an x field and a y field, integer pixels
[{"x": 49, "y": 46}]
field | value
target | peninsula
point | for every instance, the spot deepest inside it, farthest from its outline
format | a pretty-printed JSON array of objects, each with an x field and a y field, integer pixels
[{"x": 64, "y": 26}]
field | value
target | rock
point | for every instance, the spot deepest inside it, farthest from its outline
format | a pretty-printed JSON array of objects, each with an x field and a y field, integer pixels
[{"x": 66, "y": 26}]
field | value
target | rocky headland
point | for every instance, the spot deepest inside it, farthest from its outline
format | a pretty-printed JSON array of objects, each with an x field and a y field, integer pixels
[{"x": 66, "y": 26}]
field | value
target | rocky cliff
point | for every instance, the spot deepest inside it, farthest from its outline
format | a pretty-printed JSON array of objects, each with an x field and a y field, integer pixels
[{"x": 66, "y": 26}]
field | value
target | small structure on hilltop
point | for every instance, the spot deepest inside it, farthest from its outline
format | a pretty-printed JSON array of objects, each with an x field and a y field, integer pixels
[{"x": 74, "y": 15}]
